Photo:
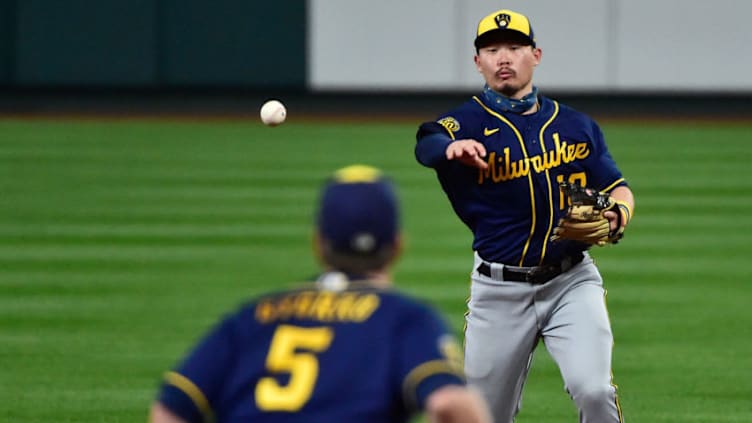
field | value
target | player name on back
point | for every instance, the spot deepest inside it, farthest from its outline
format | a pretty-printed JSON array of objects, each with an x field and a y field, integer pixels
[{"x": 323, "y": 306}]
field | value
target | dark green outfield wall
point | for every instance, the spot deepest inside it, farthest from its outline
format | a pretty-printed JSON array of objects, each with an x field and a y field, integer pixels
[{"x": 153, "y": 43}]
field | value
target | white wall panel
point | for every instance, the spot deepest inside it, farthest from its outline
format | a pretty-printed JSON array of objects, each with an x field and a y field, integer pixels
[
  {"x": 385, "y": 44},
  {"x": 588, "y": 45},
  {"x": 685, "y": 45}
]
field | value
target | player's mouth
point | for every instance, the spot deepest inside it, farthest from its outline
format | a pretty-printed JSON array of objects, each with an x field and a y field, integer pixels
[{"x": 505, "y": 73}]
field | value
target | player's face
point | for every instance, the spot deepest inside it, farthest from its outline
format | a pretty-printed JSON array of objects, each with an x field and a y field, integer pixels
[{"x": 508, "y": 67}]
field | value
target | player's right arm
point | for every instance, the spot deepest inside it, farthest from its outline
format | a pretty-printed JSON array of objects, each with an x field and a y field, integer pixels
[{"x": 436, "y": 145}]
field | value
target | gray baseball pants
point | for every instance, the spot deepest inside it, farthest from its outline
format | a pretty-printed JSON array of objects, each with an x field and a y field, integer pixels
[{"x": 505, "y": 321}]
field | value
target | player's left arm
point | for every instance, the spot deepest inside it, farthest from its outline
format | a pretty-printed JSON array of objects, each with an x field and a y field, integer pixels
[
  {"x": 188, "y": 392},
  {"x": 437, "y": 384},
  {"x": 619, "y": 218},
  {"x": 606, "y": 174},
  {"x": 427, "y": 356}
]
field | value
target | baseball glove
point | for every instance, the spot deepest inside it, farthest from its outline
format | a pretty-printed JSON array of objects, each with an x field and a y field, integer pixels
[{"x": 584, "y": 221}]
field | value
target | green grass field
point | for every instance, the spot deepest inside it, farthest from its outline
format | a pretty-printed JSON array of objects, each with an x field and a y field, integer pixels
[{"x": 121, "y": 241}]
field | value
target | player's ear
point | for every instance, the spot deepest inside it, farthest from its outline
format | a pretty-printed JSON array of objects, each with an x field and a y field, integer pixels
[
  {"x": 476, "y": 59},
  {"x": 398, "y": 248},
  {"x": 538, "y": 54},
  {"x": 317, "y": 245}
]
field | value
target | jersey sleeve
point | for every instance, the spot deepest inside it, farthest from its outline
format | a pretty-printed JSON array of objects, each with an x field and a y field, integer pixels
[
  {"x": 428, "y": 357},
  {"x": 189, "y": 389},
  {"x": 605, "y": 174},
  {"x": 434, "y": 137},
  {"x": 432, "y": 142}
]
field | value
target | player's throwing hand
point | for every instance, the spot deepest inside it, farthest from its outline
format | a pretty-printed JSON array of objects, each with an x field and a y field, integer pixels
[{"x": 468, "y": 152}]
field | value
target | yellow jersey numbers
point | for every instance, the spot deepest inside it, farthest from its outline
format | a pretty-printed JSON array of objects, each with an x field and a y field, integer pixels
[{"x": 293, "y": 351}]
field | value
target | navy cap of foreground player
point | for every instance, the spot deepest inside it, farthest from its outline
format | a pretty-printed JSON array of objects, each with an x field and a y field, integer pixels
[
  {"x": 504, "y": 25},
  {"x": 358, "y": 213}
]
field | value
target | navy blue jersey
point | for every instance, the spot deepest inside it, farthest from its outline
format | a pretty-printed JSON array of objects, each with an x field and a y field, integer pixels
[
  {"x": 312, "y": 355},
  {"x": 514, "y": 205}
]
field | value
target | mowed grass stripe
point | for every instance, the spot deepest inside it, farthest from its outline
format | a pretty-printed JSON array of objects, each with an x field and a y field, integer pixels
[
  {"x": 131, "y": 238},
  {"x": 157, "y": 229}
]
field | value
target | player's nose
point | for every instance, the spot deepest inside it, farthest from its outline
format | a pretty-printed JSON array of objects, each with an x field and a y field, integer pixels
[{"x": 503, "y": 58}]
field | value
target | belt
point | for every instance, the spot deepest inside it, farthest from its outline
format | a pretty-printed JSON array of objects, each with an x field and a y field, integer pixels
[{"x": 535, "y": 275}]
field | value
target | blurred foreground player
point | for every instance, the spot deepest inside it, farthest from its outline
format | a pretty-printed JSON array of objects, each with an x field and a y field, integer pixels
[{"x": 346, "y": 348}]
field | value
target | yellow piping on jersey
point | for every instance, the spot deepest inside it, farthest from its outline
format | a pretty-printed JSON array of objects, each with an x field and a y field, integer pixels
[
  {"x": 194, "y": 393},
  {"x": 529, "y": 175},
  {"x": 612, "y": 186},
  {"x": 416, "y": 375},
  {"x": 548, "y": 180}
]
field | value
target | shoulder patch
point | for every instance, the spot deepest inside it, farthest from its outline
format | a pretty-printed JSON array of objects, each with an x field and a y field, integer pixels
[
  {"x": 452, "y": 352},
  {"x": 450, "y": 124}
]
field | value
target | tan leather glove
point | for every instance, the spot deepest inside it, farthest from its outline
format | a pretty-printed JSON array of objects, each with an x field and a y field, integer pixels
[{"x": 584, "y": 221}]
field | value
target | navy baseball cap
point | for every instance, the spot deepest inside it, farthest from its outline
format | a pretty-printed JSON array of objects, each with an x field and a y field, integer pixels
[
  {"x": 504, "y": 25},
  {"x": 358, "y": 212}
]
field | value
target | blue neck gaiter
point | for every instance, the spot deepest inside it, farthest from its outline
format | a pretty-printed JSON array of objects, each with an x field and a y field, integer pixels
[{"x": 501, "y": 103}]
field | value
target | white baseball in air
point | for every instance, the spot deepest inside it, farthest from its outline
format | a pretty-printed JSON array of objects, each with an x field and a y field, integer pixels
[{"x": 273, "y": 113}]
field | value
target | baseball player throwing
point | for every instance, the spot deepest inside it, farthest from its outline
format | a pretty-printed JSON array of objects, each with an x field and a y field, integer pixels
[{"x": 536, "y": 185}]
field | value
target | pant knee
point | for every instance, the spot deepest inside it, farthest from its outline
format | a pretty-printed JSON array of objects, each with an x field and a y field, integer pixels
[{"x": 587, "y": 396}]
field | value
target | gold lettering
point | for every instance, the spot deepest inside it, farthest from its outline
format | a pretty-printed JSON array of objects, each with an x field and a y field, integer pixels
[
  {"x": 265, "y": 312},
  {"x": 548, "y": 160},
  {"x": 537, "y": 164},
  {"x": 570, "y": 153},
  {"x": 303, "y": 303},
  {"x": 520, "y": 168},
  {"x": 491, "y": 166},
  {"x": 343, "y": 306},
  {"x": 507, "y": 166},
  {"x": 364, "y": 307},
  {"x": 553, "y": 158},
  {"x": 504, "y": 168},
  {"x": 322, "y": 307},
  {"x": 285, "y": 308},
  {"x": 582, "y": 151}
]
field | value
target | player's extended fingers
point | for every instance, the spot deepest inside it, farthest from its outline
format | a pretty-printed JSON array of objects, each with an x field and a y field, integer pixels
[
  {"x": 480, "y": 163},
  {"x": 469, "y": 152},
  {"x": 480, "y": 148},
  {"x": 478, "y": 160},
  {"x": 454, "y": 151}
]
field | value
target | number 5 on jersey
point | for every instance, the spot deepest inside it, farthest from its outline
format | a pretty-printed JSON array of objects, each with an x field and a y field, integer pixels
[{"x": 303, "y": 367}]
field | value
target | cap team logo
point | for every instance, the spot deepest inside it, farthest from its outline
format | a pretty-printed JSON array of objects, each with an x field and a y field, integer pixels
[
  {"x": 502, "y": 20},
  {"x": 363, "y": 242},
  {"x": 450, "y": 124}
]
